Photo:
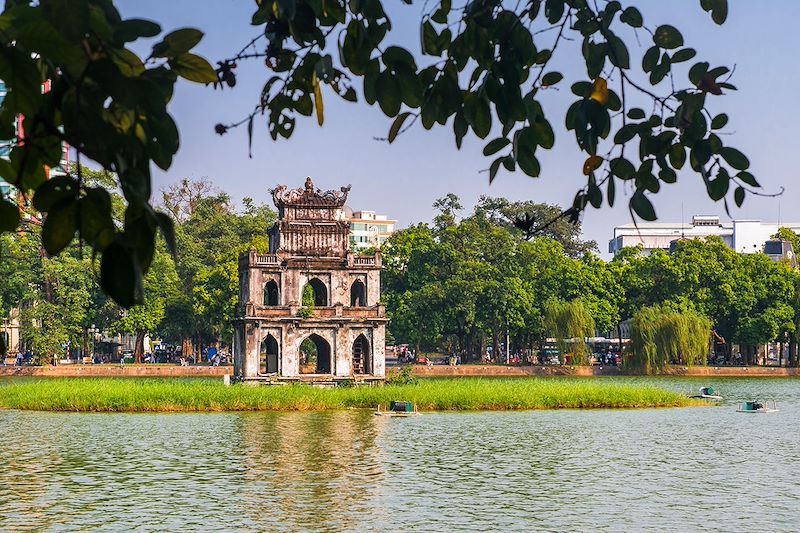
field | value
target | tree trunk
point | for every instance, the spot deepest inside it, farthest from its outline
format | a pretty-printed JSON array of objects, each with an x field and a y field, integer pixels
[
  {"x": 186, "y": 347},
  {"x": 138, "y": 348}
]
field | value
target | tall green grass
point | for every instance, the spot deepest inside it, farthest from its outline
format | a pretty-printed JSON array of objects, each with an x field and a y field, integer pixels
[{"x": 156, "y": 395}]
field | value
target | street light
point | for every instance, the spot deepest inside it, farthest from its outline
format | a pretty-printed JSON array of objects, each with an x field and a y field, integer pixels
[{"x": 94, "y": 331}]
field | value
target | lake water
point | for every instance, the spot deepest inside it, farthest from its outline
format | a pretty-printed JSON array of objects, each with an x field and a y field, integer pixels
[{"x": 709, "y": 469}]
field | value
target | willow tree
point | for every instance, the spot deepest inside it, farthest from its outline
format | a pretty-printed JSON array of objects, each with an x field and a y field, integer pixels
[
  {"x": 570, "y": 323},
  {"x": 660, "y": 336}
]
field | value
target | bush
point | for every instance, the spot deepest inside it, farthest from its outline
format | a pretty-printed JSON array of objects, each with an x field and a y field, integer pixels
[{"x": 403, "y": 377}]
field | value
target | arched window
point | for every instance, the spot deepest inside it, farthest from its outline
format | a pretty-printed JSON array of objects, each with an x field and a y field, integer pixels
[
  {"x": 320, "y": 292},
  {"x": 268, "y": 358},
  {"x": 315, "y": 355},
  {"x": 271, "y": 293},
  {"x": 362, "y": 359},
  {"x": 358, "y": 294}
]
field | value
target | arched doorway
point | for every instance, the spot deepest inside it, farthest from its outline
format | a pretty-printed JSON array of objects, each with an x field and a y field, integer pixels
[
  {"x": 315, "y": 355},
  {"x": 271, "y": 293},
  {"x": 320, "y": 292},
  {"x": 362, "y": 358},
  {"x": 268, "y": 358},
  {"x": 358, "y": 294}
]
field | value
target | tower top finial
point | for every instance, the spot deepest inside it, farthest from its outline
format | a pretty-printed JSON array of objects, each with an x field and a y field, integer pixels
[{"x": 309, "y": 185}]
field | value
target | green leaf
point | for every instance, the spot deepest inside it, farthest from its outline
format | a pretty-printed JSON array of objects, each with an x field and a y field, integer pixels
[
  {"x": 430, "y": 40},
  {"x": 495, "y": 145},
  {"x": 697, "y": 72},
  {"x": 684, "y": 54},
  {"x": 23, "y": 80},
  {"x": 668, "y": 37},
  {"x": 54, "y": 191},
  {"x": 395, "y": 56},
  {"x": 642, "y": 206},
  {"x": 193, "y": 68},
  {"x": 677, "y": 156},
  {"x": 120, "y": 275},
  {"x": 718, "y": 187},
  {"x": 618, "y": 52},
  {"x": 581, "y": 88},
  {"x": 551, "y": 78},
  {"x": 131, "y": 29},
  {"x": 667, "y": 175},
  {"x": 460, "y": 128},
  {"x": 478, "y": 114},
  {"x": 128, "y": 63},
  {"x": 738, "y": 196},
  {"x": 493, "y": 168},
  {"x": 735, "y": 158},
  {"x": 622, "y": 168},
  {"x": 554, "y": 10},
  {"x": 718, "y": 8},
  {"x": 625, "y": 133},
  {"x": 528, "y": 163},
  {"x": 650, "y": 58},
  {"x": 544, "y": 134},
  {"x": 397, "y": 124},
  {"x": 7, "y": 171},
  {"x": 719, "y": 122},
  {"x": 177, "y": 42},
  {"x": 595, "y": 195},
  {"x": 9, "y": 216},
  {"x": 167, "y": 228},
  {"x": 611, "y": 191},
  {"x": 387, "y": 90},
  {"x": 287, "y": 9},
  {"x": 632, "y": 17},
  {"x": 636, "y": 113},
  {"x": 748, "y": 178},
  {"x": 59, "y": 227}
]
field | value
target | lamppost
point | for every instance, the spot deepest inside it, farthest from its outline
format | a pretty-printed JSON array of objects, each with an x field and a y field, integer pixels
[{"x": 94, "y": 331}]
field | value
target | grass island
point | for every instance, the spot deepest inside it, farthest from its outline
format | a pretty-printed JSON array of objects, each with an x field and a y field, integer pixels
[{"x": 464, "y": 394}]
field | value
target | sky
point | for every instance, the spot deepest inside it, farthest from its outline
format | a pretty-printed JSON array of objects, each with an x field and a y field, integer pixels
[{"x": 402, "y": 180}]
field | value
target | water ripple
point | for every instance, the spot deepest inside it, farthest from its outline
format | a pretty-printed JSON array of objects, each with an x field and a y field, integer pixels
[{"x": 664, "y": 470}]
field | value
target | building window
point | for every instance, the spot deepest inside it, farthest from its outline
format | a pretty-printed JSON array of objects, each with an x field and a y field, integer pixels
[
  {"x": 271, "y": 293},
  {"x": 358, "y": 294}
]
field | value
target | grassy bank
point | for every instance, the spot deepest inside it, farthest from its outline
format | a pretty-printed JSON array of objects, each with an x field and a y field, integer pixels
[{"x": 155, "y": 395}]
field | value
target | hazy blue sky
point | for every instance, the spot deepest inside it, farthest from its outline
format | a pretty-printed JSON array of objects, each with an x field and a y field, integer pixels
[{"x": 403, "y": 179}]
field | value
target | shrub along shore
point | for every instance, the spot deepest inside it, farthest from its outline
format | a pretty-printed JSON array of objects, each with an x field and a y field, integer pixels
[{"x": 174, "y": 395}]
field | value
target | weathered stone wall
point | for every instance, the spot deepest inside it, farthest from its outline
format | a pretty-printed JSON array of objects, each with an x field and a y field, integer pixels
[{"x": 112, "y": 370}]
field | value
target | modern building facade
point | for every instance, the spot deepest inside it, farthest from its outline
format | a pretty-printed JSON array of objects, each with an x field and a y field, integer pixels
[
  {"x": 744, "y": 236},
  {"x": 368, "y": 229},
  {"x": 309, "y": 309}
]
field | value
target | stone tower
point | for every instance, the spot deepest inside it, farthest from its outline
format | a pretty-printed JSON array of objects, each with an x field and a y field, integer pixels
[{"x": 282, "y": 336}]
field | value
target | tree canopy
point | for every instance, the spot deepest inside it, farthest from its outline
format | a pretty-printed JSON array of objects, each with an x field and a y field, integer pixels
[{"x": 484, "y": 67}]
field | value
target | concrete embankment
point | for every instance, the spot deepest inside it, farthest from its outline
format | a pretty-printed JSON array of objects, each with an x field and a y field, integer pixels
[
  {"x": 109, "y": 371},
  {"x": 523, "y": 371}
]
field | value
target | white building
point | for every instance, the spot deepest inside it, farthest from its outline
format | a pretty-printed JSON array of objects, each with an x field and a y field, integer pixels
[
  {"x": 744, "y": 236},
  {"x": 368, "y": 229}
]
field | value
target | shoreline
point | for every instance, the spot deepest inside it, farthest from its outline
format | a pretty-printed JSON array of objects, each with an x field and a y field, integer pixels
[{"x": 421, "y": 371}]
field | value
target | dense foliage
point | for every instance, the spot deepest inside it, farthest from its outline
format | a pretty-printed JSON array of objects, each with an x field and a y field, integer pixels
[
  {"x": 484, "y": 67},
  {"x": 459, "y": 285},
  {"x": 189, "y": 299}
]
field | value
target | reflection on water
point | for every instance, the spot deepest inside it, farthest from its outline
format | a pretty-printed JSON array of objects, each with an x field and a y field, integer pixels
[{"x": 666, "y": 470}]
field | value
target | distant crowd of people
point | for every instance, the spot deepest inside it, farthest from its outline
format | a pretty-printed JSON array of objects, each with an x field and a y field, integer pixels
[{"x": 169, "y": 355}]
